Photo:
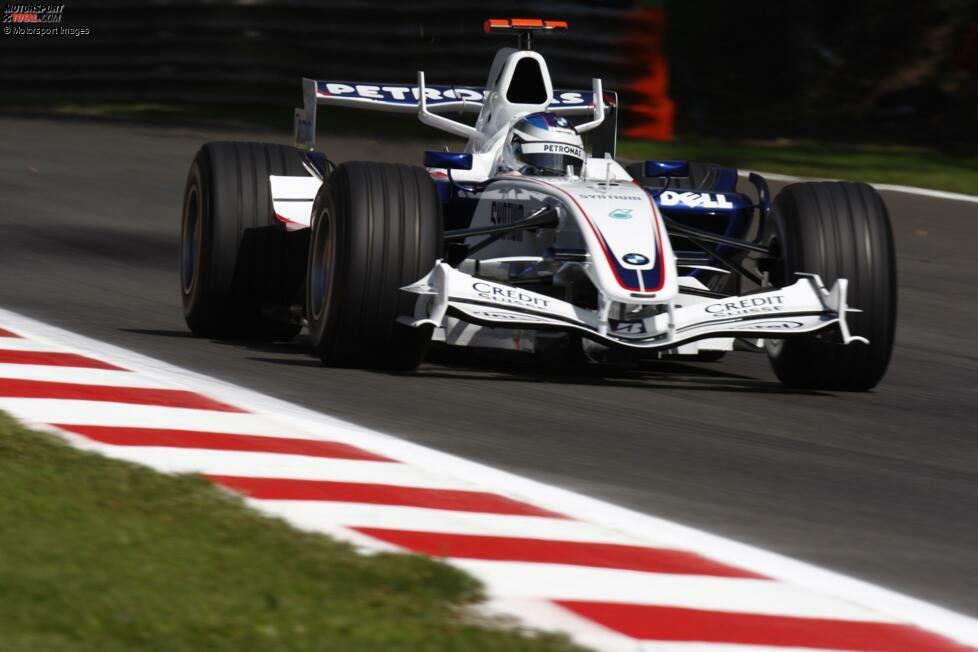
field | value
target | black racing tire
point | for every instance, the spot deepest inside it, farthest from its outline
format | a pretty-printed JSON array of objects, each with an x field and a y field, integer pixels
[
  {"x": 836, "y": 230},
  {"x": 376, "y": 228},
  {"x": 239, "y": 269}
]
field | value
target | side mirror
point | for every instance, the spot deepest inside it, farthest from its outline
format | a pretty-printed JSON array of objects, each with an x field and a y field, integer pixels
[
  {"x": 449, "y": 160},
  {"x": 667, "y": 168}
]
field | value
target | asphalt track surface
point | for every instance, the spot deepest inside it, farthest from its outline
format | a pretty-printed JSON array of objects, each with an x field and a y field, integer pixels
[{"x": 880, "y": 485}]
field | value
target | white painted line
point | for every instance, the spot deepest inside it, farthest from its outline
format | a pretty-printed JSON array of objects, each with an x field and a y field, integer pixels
[
  {"x": 925, "y": 192},
  {"x": 727, "y": 594},
  {"x": 597, "y": 637},
  {"x": 23, "y": 344},
  {"x": 307, "y": 514},
  {"x": 888, "y": 187},
  {"x": 81, "y": 376},
  {"x": 274, "y": 465},
  {"x": 39, "y": 411},
  {"x": 834, "y": 586},
  {"x": 588, "y": 633}
]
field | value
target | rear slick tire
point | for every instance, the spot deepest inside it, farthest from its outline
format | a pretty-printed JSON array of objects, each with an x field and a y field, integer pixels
[
  {"x": 836, "y": 230},
  {"x": 238, "y": 266},
  {"x": 376, "y": 228}
]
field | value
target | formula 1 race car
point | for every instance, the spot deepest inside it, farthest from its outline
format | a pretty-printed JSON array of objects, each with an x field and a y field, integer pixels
[{"x": 526, "y": 241}]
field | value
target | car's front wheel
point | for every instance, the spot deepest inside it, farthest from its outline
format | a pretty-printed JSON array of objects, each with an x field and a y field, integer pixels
[
  {"x": 376, "y": 228},
  {"x": 836, "y": 230}
]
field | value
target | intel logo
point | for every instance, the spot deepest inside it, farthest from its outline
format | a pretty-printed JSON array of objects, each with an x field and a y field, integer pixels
[
  {"x": 621, "y": 214},
  {"x": 635, "y": 259}
]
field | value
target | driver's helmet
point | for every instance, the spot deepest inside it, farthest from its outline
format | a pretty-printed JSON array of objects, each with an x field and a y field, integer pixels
[{"x": 543, "y": 144}]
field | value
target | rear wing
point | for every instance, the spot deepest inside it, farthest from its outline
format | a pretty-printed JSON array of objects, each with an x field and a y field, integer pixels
[{"x": 403, "y": 98}]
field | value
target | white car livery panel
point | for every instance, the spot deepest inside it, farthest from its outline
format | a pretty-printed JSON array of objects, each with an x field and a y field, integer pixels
[
  {"x": 636, "y": 263},
  {"x": 292, "y": 199}
]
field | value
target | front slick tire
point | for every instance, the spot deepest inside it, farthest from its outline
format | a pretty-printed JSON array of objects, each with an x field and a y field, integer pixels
[
  {"x": 836, "y": 230},
  {"x": 376, "y": 228}
]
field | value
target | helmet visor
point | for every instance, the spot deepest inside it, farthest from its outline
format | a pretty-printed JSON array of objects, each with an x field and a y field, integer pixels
[{"x": 552, "y": 158}]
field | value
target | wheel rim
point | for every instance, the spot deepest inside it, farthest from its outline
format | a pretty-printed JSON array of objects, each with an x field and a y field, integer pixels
[
  {"x": 320, "y": 268},
  {"x": 190, "y": 238}
]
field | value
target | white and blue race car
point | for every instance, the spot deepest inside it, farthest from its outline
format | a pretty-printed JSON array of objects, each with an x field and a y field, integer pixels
[{"x": 531, "y": 239}]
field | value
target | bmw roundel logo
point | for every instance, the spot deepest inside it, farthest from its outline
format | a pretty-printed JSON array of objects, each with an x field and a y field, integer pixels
[
  {"x": 635, "y": 259},
  {"x": 561, "y": 121}
]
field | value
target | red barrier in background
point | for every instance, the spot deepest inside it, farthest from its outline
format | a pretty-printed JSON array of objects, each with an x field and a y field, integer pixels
[{"x": 650, "y": 113}]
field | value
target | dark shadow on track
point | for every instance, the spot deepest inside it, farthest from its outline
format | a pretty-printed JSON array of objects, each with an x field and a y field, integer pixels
[
  {"x": 157, "y": 332},
  {"x": 291, "y": 362},
  {"x": 494, "y": 366},
  {"x": 487, "y": 366},
  {"x": 298, "y": 346},
  {"x": 694, "y": 382}
]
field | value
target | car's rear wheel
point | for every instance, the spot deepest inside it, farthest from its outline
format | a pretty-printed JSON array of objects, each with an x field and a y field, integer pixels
[
  {"x": 239, "y": 269},
  {"x": 376, "y": 228},
  {"x": 836, "y": 230}
]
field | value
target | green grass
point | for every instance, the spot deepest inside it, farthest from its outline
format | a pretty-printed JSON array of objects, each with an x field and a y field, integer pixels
[
  {"x": 102, "y": 555},
  {"x": 911, "y": 166}
]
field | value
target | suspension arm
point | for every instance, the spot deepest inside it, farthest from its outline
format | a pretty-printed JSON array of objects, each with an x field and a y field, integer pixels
[
  {"x": 675, "y": 228},
  {"x": 543, "y": 218}
]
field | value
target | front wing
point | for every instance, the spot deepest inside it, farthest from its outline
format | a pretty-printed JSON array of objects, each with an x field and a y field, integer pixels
[{"x": 804, "y": 307}]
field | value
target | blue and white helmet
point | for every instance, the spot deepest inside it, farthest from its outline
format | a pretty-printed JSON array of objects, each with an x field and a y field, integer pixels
[{"x": 544, "y": 144}]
